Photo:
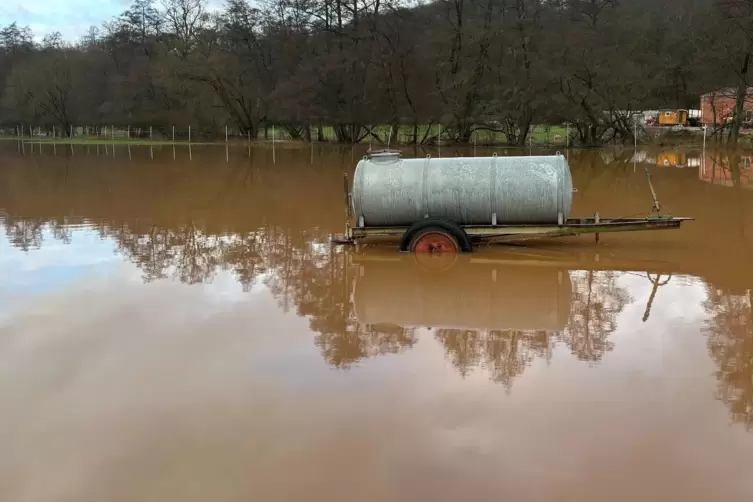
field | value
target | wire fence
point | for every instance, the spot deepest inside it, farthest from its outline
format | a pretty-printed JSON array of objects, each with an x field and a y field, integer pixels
[{"x": 377, "y": 136}]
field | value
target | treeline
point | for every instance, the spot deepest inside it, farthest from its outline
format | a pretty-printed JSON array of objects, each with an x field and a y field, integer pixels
[{"x": 455, "y": 65}]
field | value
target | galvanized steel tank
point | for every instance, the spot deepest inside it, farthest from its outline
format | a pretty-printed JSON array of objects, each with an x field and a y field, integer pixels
[{"x": 389, "y": 190}]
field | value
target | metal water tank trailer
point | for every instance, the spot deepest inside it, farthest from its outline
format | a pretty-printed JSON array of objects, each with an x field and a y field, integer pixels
[{"x": 391, "y": 191}]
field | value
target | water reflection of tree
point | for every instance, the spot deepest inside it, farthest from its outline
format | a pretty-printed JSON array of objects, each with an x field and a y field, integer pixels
[
  {"x": 304, "y": 273},
  {"x": 730, "y": 341},
  {"x": 301, "y": 270},
  {"x": 596, "y": 302},
  {"x": 727, "y": 168},
  {"x": 24, "y": 233},
  {"x": 61, "y": 230},
  {"x": 504, "y": 354},
  {"x": 188, "y": 253},
  {"x": 315, "y": 278}
]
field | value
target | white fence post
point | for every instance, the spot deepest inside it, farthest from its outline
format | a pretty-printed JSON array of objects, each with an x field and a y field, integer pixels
[{"x": 439, "y": 141}]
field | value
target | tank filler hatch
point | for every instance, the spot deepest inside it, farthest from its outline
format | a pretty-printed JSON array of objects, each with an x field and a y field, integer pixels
[{"x": 386, "y": 155}]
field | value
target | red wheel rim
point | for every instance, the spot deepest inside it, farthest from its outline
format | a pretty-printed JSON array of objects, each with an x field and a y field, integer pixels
[{"x": 435, "y": 242}]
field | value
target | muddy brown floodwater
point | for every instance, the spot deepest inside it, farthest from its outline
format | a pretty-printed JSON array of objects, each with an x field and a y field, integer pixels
[{"x": 175, "y": 327}]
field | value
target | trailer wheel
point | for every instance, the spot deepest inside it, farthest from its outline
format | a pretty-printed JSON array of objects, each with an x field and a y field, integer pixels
[
  {"x": 435, "y": 236},
  {"x": 435, "y": 262}
]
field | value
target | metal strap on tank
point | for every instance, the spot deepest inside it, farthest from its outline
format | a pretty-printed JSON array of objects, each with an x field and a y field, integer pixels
[
  {"x": 560, "y": 188},
  {"x": 425, "y": 188},
  {"x": 493, "y": 189},
  {"x": 360, "y": 221}
]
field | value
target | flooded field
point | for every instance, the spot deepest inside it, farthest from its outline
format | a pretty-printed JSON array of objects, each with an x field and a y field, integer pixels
[{"x": 174, "y": 326}]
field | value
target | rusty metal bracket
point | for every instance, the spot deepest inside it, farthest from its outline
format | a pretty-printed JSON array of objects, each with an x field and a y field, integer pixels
[
  {"x": 597, "y": 220},
  {"x": 348, "y": 213},
  {"x": 656, "y": 209}
]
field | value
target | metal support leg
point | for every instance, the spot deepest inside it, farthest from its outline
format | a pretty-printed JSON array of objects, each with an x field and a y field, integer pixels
[{"x": 597, "y": 219}]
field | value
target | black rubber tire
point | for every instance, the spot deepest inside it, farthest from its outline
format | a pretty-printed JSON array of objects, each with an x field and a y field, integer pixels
[{"x": 464, "y": 243}]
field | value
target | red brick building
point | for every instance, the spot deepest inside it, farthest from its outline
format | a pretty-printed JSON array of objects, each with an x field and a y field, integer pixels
[{"x": 722, "y": 102}]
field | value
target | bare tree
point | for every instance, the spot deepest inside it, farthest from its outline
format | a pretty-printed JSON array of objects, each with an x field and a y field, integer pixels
[
  {"x": 185, "y": 19},
  {"x": 457, "y": 65}
]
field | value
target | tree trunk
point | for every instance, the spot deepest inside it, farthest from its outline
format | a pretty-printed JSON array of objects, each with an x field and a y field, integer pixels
[
  {"x": 464, "y": 132},
  {"x": 294, "y": 131},
  {"x": 524, "y": 127},
  {"x": 734, "y": 166},
  {"x": 742, "y": 94},
  {"x": 394, "y": 134},
  {"x": 523, "y": 133},
  {"x": 348, "y": 133},
  {"x": 249, "y": 131}
]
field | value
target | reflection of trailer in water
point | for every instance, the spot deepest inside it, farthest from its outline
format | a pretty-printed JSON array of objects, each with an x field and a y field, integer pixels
[
  {"x": 668, "y": 158},
  {"x": 464, "y": 295},
  {"x": 677, "y": 159},
  {"x": 510, "y": 290},
  {"x": 434, "y": 205}
]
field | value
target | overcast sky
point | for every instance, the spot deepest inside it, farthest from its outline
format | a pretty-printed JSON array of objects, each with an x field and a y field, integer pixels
[{"x": 72, "y": 18}]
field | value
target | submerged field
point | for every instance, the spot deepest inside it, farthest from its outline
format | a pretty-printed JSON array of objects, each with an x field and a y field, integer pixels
[{"x": 181, "y": 312}]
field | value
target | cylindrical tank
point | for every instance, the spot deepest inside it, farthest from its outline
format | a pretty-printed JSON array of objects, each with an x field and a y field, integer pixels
[{"x": 390, "y": 190}]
